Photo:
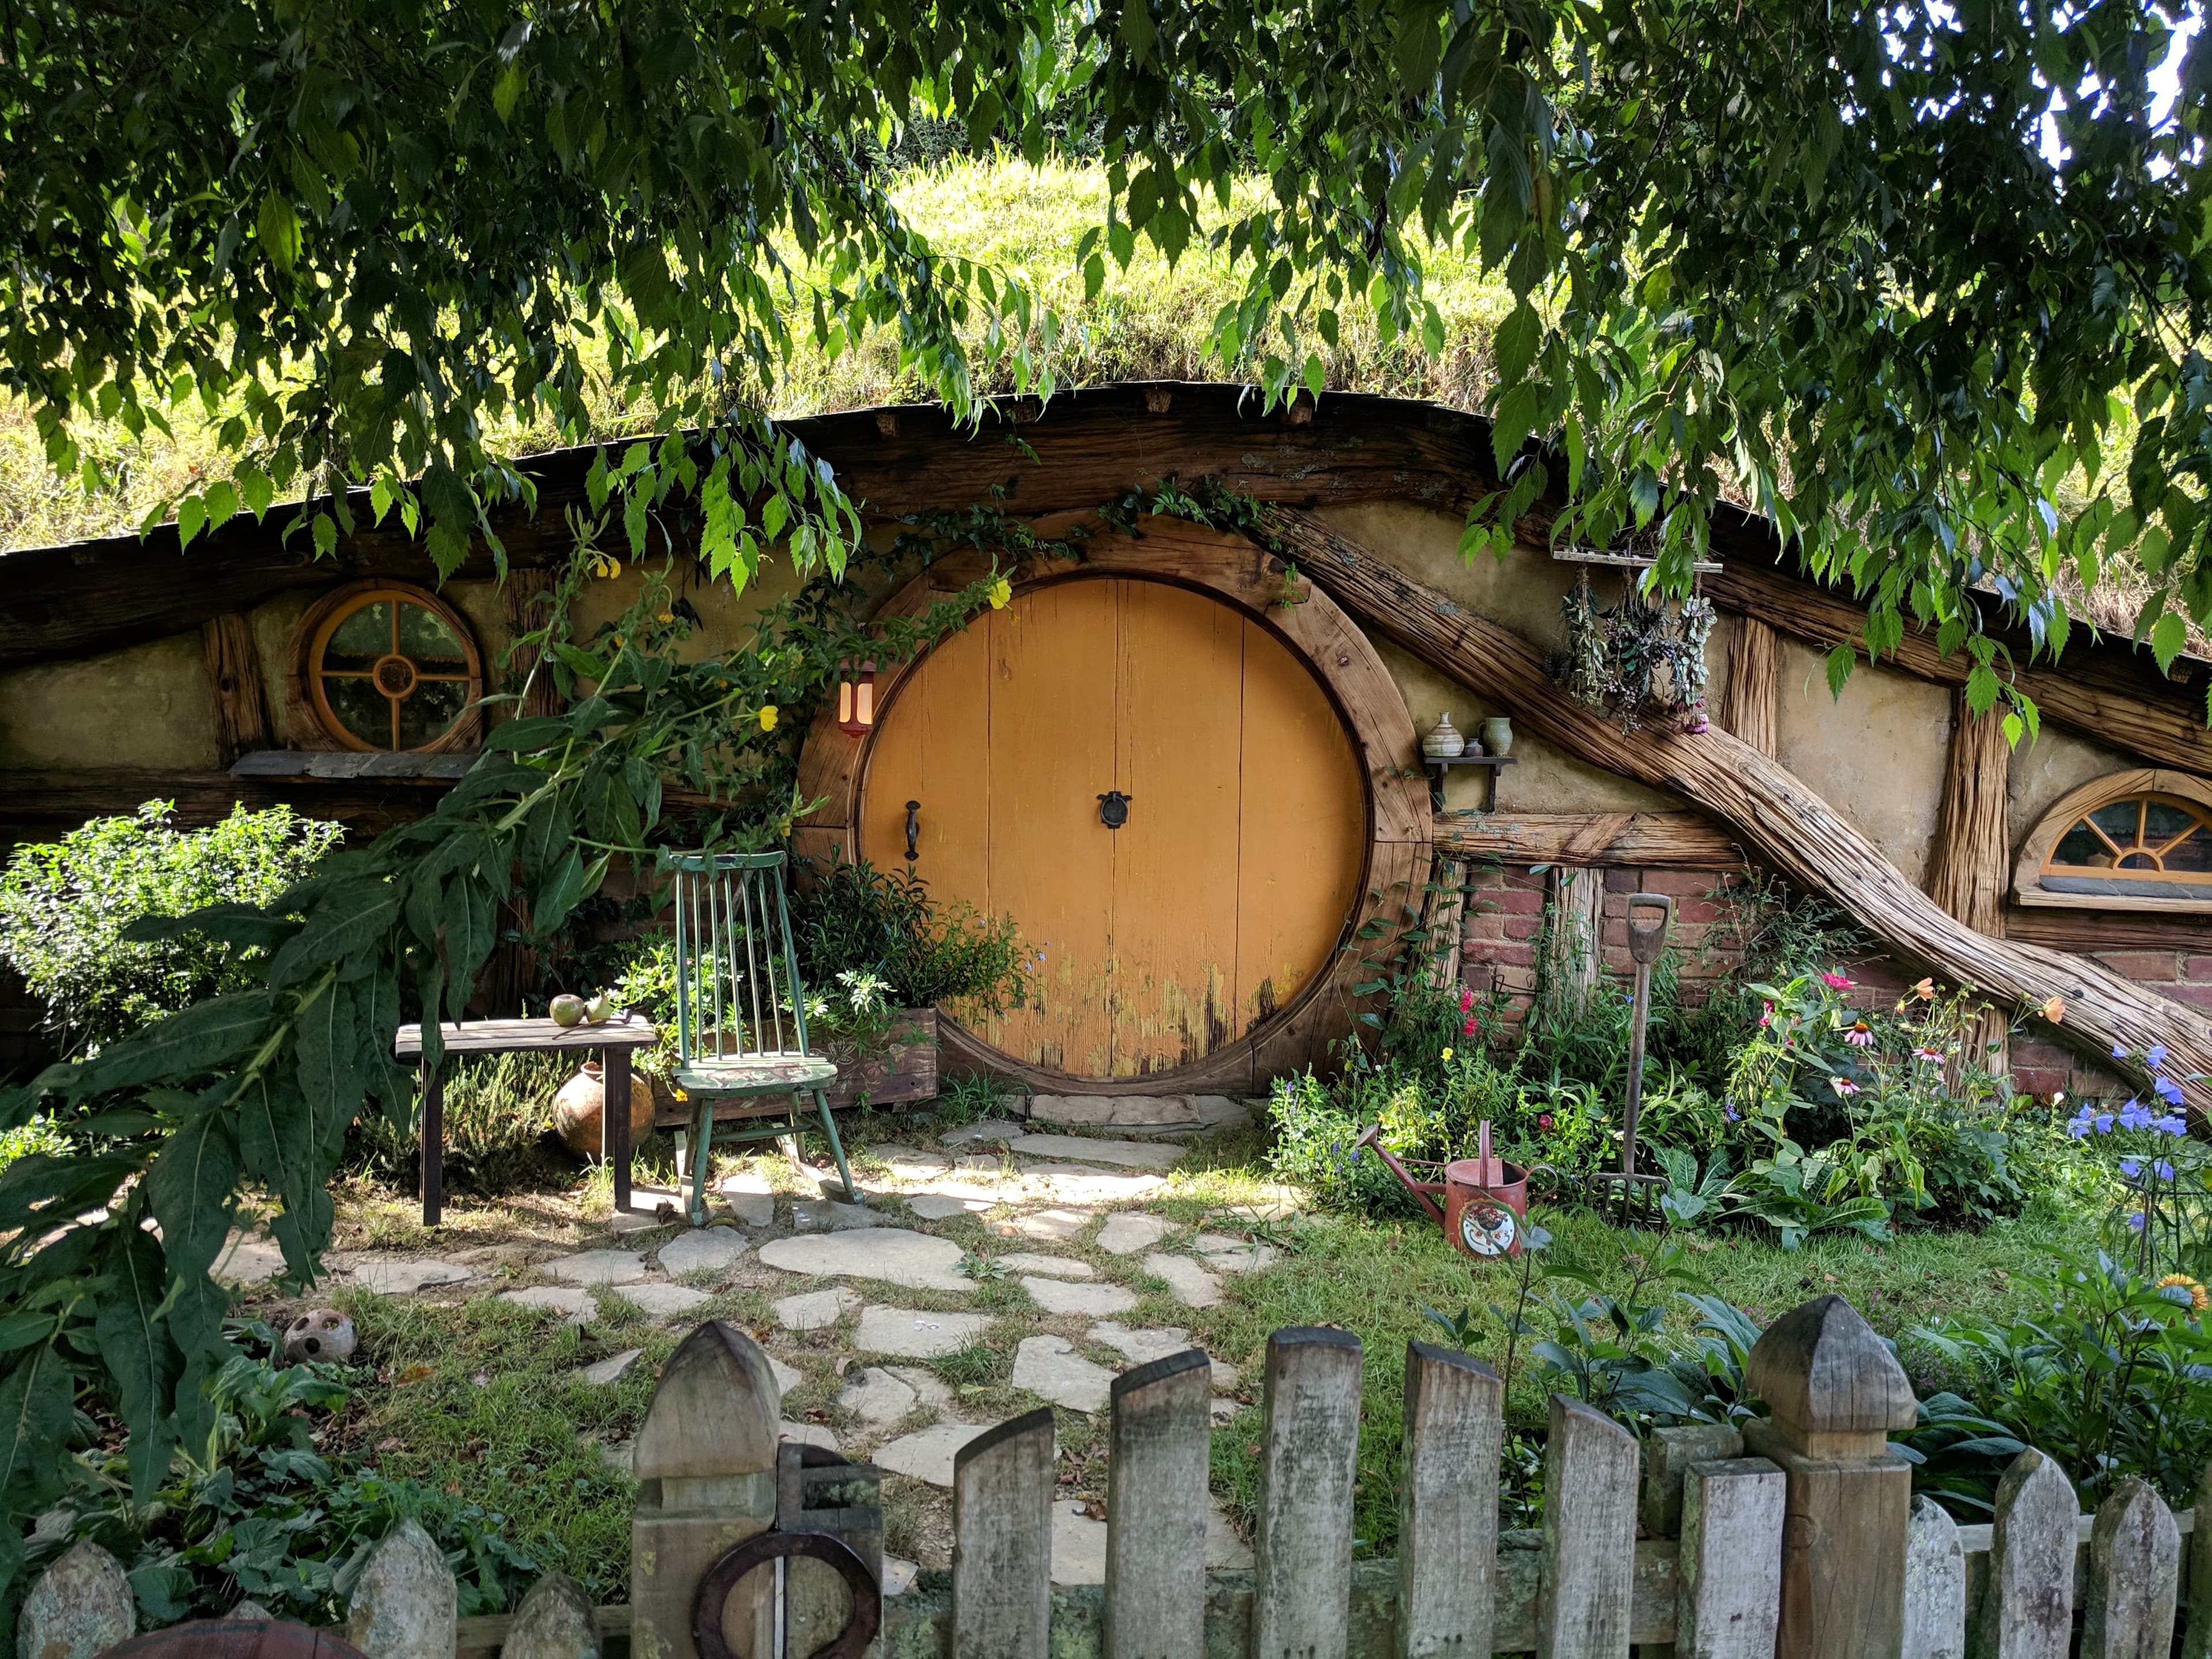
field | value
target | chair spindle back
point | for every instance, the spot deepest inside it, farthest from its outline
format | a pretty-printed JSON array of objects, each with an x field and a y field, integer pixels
[{"x": 737, "y": 994}]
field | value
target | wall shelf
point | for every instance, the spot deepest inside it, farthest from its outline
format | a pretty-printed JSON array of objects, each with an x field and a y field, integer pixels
[{"x": 1438, "y": 766}]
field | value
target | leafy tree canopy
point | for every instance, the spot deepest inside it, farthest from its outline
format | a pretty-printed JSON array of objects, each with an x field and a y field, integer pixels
[{"x": 1815, "y": 258}]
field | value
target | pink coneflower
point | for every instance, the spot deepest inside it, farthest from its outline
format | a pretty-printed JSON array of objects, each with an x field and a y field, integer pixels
[
  {"x": 1929, "y": 1056},
  {"x": 1844, "y": 1086},
  {"x": 1835, "y": 982},
  {"x": 1861, "y": 1036}
]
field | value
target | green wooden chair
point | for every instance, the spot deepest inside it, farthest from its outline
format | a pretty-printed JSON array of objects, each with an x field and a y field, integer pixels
[{"x": 740, "y": 1013}]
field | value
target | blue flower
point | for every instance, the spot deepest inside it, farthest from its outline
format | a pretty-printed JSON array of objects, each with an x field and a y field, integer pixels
[
  {"x": 2157, "y": 1054},
  {"x": 2130, "y": 1167},
  {"x": 2079, "y": 1128},
  {"x": 2102, "y": 1123},
  {"x": 2168, "y": 1091},
  {"x": 2135, "y": 1222},
  {"x": 2162, "y": 1170},
  {"x": 2119, "y": 1052},
  {"x": 2172, "y": 1124},
  {"x": 1731, "y": 1114},
  {"x": 2134, "y": 1116}
]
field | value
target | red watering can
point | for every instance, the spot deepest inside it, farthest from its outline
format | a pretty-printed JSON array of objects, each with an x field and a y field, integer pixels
[{"x": 1485, "y": 1198}]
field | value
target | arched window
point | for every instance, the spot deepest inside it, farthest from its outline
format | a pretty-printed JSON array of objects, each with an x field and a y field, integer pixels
[
  {"x": 2132, "y": 841},
  {"x": 389, "y": 667}
]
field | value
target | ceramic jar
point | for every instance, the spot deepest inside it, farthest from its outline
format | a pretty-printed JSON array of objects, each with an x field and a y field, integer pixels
[
  {"x": 582, "y": 1100},
  {"x": 1443, "y": 741},
  {"x": 1497, "y": 735}
]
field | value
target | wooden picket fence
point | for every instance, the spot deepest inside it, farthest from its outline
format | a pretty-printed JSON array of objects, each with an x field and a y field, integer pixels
[{"x": 1795, "y": 1536}]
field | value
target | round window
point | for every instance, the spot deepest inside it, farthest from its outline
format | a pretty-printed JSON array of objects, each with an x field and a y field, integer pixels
[{"x": 393, "y": 669}]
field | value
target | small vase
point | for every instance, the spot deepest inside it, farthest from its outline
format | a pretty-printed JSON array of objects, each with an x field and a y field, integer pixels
[
  {"x": 1443, "y": 741},
  {"x": 1497, "y": 735}
]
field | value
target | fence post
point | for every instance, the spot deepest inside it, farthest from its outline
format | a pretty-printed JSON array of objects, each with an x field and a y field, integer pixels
[
  {"x": 1588, "y": 1584},
  {"x": 1447, "y": 1503},
  {"x": 2197, "y": 1634},
  {"x": 406, "y": 1603},
  {"x": 1935, "y": 1585},
  {"x": 1731, "y": 1560},
  {"x": 705, "y": 1467},
  {"x": 80, "y": 1605},
  {"x": 1002, "y": 1488},
  {"x": 1836, "y": 1391},
  {"x": 2027, "y": 1597},
  {"x": 556, "y": 1620},
  {"x": 1156, "y": 1508},
  {"x": 2135, "y": 1575},
  {"x": 1302, "y": 1584}
]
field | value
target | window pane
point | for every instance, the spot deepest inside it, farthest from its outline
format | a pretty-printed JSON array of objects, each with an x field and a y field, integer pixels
[
  {"x": 2194, "y": 854},
  {"x": 2119, "y": 820},
  {"x": 361, "y": 710},
  {"x": 2080, "y": 847},
  {"x": 2138, "y": 861},
  {"x": 2165, "y": 819},
  {"x": 359, "y": 640},
  {"x": 424, "y": 636},
  {"x": 435, "y": 706}
]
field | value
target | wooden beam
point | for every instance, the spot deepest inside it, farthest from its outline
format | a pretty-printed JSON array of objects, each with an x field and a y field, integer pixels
[
  {"x": 1967, "y": 870},
  {"x": 527, "y": 595},
  {"x": 2091, "y": 932},
  {"x": 1752, "y": 696},
  {"x": 36, "y": 803},
  {"x": 2113, "y": 695},
  {"x": 234, "y": 671},
  {"x": 1648, "y": 841},
  {"x": 1780, "y": 821}
]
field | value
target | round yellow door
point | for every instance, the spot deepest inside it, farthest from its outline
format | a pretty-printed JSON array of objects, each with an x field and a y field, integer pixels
[{"x": 1157, "y": 792}]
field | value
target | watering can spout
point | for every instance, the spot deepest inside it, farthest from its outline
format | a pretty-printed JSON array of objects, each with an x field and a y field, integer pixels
[{"x": 1370, "y": 1138}]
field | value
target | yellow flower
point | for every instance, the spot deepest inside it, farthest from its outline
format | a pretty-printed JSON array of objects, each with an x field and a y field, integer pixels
[
  {"x": 2198, "y": 1298},
  {"x": 1001, "y": 590},
  {"x": 680, "y": 1094},
  {"x": 2055, "y": 1010},
  {"x": 606, "y": 566},
  {"x": 666, "y": 617},
  {"x": 1447, "y": 1053},
  {"x": 1925, "y": 990},
  {"x": 767, "y": 717}
]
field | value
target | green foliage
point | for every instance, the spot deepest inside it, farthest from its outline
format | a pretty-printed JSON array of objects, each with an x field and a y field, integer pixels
[
  {"x": 64, "y": 905},
  {"x": 257, "y": 1511},
  {"x": 970, "y": 1098},
  {"x": 498, "y": 1113},
  {"x": 852, "y": 919},
  {"x": 2112, "y": 1377},
  {"x": 2160, "y": 1174}
]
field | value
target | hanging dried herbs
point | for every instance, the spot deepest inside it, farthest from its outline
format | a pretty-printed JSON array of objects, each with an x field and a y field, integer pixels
[{"x": 1641, "y": 662}]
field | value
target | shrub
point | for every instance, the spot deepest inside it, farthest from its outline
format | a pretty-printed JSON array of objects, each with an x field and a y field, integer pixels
[
  {"x": 852, "y": 917},
  {"x": 63, "y": 906},
  {"x": 499, "y": 1109}
]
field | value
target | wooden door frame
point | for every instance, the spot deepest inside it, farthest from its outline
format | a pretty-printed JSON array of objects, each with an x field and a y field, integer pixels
[{"x": 1240, "y": 574}]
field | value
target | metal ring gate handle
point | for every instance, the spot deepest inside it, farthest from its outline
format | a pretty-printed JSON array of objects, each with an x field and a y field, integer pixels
[{"x": 714, "y": 1587}]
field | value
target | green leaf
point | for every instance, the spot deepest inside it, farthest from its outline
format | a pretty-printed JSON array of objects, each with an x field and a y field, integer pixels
[
  {"x": 325, "y": 532},
  {"x": 134, "y": 1346},
  {"x": 191, "y": 518},
  {"x": 281, "y": 1149},
  {"x": 2169, "y": 637},
  {"x": 1514, "y": 344},
  {"x": 350, "y": 918},
  {"x": 278, "y": 228},
  {"x": 180, "y": 1047},
  {"x": 190, "y": 1186}
]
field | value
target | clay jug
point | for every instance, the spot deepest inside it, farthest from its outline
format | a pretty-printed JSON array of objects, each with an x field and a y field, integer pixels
[{"x": 577, "y": 1108}]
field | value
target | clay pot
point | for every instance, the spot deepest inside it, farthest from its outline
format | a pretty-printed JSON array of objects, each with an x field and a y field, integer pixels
[
  {"x": 1497, "y": 735},
  {"x": 1444, "y": 741},
  {"x": 319, "y": 1334},
  {"x": 578, "y": 1107}
]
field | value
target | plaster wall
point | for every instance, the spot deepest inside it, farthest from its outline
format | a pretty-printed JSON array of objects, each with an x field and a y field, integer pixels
[
  {"x": 147, "y": 706},
  {"x": 2042, "y": 771},
  {"x": 1875, "y": 752}
]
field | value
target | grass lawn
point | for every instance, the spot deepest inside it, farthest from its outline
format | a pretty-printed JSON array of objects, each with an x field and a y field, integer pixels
[{"x": 480, "y": 1398}]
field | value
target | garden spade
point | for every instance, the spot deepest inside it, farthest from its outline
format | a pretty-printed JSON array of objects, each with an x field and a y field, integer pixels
[{"x": 1647, "y": 938}]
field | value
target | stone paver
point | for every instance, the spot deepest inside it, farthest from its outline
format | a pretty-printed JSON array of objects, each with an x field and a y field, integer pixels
[
  {"x": 1049, "y": 1366},
  {"x": 1127, "y": 1232},
  {"x": 1080, "y": 1149},
  {"x": 1057, "y": 1296},
  {"x": 928, "y": 1453},
  {"x": 979, "y": 1134},
  {"x": 80, "y": 1605},
  {"x": 1079, "y": 1546},
  {"x": 1224, "y": 1548},
  {"x": 1192, "y": 1285},
  {"x": 251, "y": 1262},
  {"x": 814, "y": 1310},
  {"x": 1052, "y": 1267},
  {"x": 750, "y": 1198},
  {"x": 1053, "y": 1225},
  {"x": 898, "y": 1576},
  {"x": 1189, "y": 1113},
  {"x": 877, "y": 1395},
  {"x": 1142, "y": 1345},
  {"x": 895, "y": 1255},
  {"x": 707, "y": 1250},
  {"x": 612, "y": 1369},
  {"x": 405, "y": 1275},
  {"x": 1081, "y": 1185},
  {"x": 816, "y": 1215},
  {"x": 807, "y": 1434},
  {"x": 787, "y": 1377},
  {"x": 909, "y": 1334},
  {"x": 931, "y": 1389},
  {"x": 911, "y": 1160},
  {"x": 573, "y": 1300},
  {"x": 1225, "y": 1255},
  {"x": 937, "y": 1206},
  {"x": 599, "y": 1267},
  {"x": 662, "y": 1300},
  {"x": 619, "y": 1453}
]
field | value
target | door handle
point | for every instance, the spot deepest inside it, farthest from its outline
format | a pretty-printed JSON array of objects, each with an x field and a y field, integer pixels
[
  {"x": 913, "y": 828},
  {"x": 1112, "y": 809}
]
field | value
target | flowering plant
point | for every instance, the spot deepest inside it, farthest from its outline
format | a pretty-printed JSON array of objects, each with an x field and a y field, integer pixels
[{"x": 2163, "y": 1220}]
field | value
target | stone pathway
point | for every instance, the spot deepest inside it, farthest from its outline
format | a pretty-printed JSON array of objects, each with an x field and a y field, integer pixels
[{"x": 1067, "y": 1282}]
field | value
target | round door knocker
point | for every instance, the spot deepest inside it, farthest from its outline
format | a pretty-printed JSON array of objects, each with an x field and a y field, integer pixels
[
  {"x": 714, "y": 1587},
  {"x": 1113, "y": 809}
]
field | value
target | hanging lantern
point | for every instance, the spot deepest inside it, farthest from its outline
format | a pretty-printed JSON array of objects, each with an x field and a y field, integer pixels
[{"x": 856, "y": 698}]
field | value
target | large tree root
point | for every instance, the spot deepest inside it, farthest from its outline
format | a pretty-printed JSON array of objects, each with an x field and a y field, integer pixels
[{"x": 1780, "y": 822}]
